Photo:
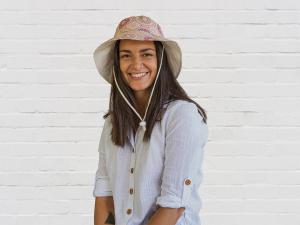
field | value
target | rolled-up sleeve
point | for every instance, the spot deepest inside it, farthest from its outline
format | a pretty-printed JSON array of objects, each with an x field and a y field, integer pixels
[
  {"x": 186, "y": 136},
  {"x": 102, "y": 185}
]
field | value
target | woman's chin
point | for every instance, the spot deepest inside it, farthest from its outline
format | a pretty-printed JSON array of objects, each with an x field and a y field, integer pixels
[{"x": 139, "y": 88}]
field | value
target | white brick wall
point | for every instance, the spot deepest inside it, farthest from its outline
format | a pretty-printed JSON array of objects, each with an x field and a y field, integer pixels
[{"x": 241, "y": 62}]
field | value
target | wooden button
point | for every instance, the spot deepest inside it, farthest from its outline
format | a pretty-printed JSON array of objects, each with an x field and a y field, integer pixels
[
  {"x": 131, "y": 170},
  {"x": 187, "y": 182},
  {"x": 131, "y": 191},
  {"x": 129, "y": 211}
]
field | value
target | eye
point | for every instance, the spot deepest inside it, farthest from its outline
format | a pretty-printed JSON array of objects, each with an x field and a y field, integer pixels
[
  {"x": 147, "y": 55},
  {"x": 124, "y": 56}
]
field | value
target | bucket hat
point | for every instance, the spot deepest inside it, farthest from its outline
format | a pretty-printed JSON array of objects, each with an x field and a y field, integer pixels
[{"x": 140, "y": 28}]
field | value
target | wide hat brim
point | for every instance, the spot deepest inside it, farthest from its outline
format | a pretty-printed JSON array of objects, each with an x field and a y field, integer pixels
[{"x": 104, "y": 56}]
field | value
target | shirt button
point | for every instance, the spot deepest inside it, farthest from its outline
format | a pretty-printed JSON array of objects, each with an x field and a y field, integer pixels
[
  {"x": 187, "y": 182},
  {"x": 131, "y": 191},
  {"x": 131, "y": 170},
  {"x": 129, "y": 211}
]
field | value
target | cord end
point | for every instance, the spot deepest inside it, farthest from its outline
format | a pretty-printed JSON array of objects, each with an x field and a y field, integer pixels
[{"x": 143, "y": 125}]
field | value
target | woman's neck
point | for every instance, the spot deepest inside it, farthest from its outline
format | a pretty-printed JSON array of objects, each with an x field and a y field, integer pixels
[{"x": 142, "y": 101}]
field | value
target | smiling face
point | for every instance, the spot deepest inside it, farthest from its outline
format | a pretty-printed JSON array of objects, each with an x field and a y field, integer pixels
[{"x": 138, "y": 64}]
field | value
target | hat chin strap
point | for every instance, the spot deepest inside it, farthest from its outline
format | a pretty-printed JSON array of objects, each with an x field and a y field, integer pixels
[{"x": 143, "y": 122}]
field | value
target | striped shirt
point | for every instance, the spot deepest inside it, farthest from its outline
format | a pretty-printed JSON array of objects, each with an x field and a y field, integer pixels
[{"x": 165, "y": 171}]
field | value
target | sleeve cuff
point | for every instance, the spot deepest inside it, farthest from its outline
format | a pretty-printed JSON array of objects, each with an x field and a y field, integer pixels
[
  {"x": 169, "y": 201},
  {"x": 172, "y": 201},
  {"x": 102, "y": 188}
]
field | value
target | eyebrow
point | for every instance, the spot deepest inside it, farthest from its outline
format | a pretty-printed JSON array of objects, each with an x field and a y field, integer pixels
[{"x": 142, "y": 50}]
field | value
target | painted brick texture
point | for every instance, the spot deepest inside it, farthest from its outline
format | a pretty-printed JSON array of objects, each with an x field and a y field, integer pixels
[{"x": 241, "y": 62}]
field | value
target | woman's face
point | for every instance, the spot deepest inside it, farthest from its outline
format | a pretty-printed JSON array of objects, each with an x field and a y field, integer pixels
[{"x": 138, "y": 64}]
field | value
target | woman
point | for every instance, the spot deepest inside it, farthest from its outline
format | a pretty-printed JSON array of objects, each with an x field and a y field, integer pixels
[{"x": 151, "y": 146}]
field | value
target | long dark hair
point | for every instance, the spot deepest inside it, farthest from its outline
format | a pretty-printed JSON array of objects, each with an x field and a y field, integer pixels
[{"x": 167, "y": 89}]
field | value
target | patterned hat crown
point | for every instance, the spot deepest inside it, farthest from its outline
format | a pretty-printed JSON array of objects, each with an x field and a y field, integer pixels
[{"x": 138, "y": 28}]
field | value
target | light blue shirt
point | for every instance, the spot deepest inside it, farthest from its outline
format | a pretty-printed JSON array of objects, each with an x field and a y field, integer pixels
[{"x": 165, "y": 171}]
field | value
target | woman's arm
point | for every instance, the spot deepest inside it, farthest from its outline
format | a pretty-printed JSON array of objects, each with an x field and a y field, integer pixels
[
  {"x": 166, "y": 216},
  {"x": 104, "y": 204},
  {"x": 186, "y": 135},
  {"x": 104, "y": 211}
]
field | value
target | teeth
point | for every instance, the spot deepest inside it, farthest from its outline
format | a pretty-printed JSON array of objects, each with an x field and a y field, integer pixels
[{"x": 138, "y": 74}]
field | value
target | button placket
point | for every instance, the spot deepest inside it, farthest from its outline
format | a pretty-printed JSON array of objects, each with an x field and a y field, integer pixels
[
  {"x": 130, "y": 206},
  {"x": 129, "y": 209}
]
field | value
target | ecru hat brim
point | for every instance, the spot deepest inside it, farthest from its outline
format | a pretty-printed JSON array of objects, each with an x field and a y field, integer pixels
[{"x": 104, "y": 56}]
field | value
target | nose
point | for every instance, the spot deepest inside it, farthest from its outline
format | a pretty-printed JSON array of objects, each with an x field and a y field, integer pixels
[{"x": 137, "y": 63}]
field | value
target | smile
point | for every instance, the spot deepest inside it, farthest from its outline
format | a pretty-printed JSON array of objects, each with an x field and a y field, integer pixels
[{"x": 138, "y": 75}]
